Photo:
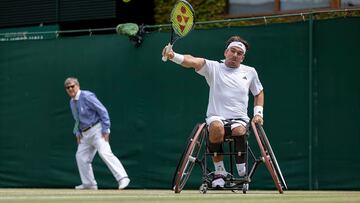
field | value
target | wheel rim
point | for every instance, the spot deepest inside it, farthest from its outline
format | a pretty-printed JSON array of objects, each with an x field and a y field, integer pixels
[{"x": 189, "y": 159}]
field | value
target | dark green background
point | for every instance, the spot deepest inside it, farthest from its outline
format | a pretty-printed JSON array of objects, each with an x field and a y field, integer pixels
[{"x": 312, "y": 104}]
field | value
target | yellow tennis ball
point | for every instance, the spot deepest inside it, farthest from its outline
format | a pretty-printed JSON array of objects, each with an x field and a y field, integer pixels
[{"x": 126, "y": 1}]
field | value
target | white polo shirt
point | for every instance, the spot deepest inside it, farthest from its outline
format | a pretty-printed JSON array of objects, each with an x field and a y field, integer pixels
[{"x": 229, "y": 89}]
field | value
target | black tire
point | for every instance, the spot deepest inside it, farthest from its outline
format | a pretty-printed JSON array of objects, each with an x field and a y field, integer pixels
[
  {"x": 266, "y": 157},
  {"x": 189, "y": 157}
]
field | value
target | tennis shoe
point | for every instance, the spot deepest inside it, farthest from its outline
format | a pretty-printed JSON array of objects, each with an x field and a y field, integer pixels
[
  {"x": 86, "y": 187},
  {"x": 123, "y": 183},
  {"x": 242, "y": 173},
  {"x": 241, "y": 169},
  {"x": 218, "y": 181}
]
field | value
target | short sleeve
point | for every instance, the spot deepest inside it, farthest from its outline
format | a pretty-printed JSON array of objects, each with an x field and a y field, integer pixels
[{"x": 255, "y": 86}]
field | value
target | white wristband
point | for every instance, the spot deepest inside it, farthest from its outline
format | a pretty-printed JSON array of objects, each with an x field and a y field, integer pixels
[
  {"x": 178, "y": 58},
  {"x": 258, "y": 110}
]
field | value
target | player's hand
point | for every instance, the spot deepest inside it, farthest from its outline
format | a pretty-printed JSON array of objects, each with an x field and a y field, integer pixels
[
  {"x": 106, "y": 136},
  {"x": 78, "y": 139},
  {"x": 168, "y": 53},
  {"x": 258, "y": 119}
]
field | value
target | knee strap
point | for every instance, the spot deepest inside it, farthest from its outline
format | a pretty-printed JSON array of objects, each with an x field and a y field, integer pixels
[
  {"x": 240, "y": 146},
  {"x": 215, "y": 147}
]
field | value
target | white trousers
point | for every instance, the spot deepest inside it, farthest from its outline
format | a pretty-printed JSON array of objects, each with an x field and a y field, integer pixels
[{"x": 92, "y": 142}]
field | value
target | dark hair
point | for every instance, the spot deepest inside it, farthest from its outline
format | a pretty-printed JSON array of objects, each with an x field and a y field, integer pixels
[{"x": 237, "y": 38}]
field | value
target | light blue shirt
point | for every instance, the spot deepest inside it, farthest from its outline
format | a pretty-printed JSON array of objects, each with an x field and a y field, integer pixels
[{"x": 90, "y": 111}]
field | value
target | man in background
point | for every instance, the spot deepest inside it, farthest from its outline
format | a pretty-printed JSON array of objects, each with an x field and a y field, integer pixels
[{"x": 92, "y": 130}]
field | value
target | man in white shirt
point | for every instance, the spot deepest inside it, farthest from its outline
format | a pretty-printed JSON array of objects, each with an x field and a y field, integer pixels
[{"x": 229, "y": 82}]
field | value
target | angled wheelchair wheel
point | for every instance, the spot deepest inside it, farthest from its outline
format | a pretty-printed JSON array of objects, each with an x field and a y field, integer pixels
[
  {"x": 269, "y": 157},
  {"x": 188, "y": 141},
  {"x": 189, "y": 157},
  {"x": 272, "y": 155}
]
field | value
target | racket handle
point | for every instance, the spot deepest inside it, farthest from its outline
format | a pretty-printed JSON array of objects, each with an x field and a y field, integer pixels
[{"x": 168, "y": 48}]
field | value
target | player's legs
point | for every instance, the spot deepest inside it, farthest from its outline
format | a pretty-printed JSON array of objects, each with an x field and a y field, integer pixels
[
  {"x": 239, "y": 134},
  {"x": 215, "y": 142},
  {"x": 84, "y": 157},
  {"x": 216, "y": 139}
]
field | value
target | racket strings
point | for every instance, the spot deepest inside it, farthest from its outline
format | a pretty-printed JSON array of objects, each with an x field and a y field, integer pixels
[
  {"x": 182, "y": 30},
  {"x": 182, "y": 18}
]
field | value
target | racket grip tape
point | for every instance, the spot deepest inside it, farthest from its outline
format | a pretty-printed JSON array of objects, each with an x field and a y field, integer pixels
[{"x": 168, "y": 48}]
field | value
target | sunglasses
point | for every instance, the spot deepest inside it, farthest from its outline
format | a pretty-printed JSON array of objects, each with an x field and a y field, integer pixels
[{"x": 70, "y": 86}]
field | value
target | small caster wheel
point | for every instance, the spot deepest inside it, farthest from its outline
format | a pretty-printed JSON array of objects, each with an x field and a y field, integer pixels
[
  {"x": 245, "y": 187},
  {"x": 203, "y": 188}
]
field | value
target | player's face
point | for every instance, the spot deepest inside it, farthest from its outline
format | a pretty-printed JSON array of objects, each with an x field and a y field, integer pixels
[
  {"x": 233, "y": 57},
  {"x": 71, "y": 89}
]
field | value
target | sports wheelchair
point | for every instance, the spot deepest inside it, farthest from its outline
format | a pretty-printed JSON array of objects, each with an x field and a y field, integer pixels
[{"x": 196, "y": 153}]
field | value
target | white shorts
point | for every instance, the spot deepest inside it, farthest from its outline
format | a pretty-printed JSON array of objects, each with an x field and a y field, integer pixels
[{"x": 236, "y": 123}]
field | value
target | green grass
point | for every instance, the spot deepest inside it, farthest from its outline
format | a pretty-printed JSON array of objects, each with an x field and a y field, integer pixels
[{"x": 167, "y": 196}]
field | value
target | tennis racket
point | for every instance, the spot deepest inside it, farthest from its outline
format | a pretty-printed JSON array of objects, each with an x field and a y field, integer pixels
[{"x": 182, "y": 22}]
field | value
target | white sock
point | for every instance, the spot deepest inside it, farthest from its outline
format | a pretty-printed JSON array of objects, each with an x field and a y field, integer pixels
[
  {"x": 241, "y": 169},
  {"x": 220, "y": 168}
]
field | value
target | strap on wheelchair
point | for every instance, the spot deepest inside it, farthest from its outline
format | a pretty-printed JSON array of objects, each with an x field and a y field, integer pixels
[
  {"x": 214, "y": 147},
  {"x": 227, "y": 126}
]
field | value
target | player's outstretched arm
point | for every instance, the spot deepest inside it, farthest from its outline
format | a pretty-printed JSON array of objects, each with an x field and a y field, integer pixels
[{"x": 187, "y": 61}]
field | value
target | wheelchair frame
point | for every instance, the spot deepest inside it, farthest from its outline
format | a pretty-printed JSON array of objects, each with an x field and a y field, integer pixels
[{"x": 191, "y": 156}]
